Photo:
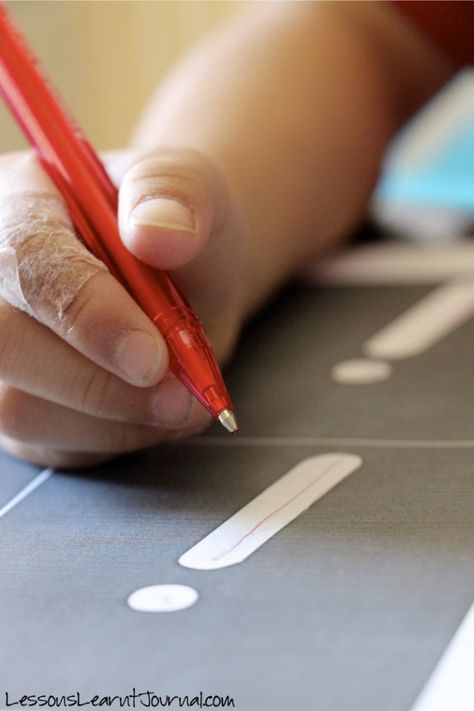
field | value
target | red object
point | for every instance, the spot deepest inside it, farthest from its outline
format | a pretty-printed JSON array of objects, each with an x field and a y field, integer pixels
[
  {"x": 449, "y": 24},
  {"x": 92, "y": 198}
]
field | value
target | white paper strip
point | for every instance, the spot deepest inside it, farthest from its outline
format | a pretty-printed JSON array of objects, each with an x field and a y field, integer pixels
[
  {"x": 270, "y": 511},
  {"x": 451, "y": 685},
  {"x": 425, "y": 323}
]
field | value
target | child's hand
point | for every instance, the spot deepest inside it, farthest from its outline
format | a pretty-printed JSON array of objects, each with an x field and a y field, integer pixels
[
  {"x": 295, "y": 102},
  {"x": 83, "y": 371}
]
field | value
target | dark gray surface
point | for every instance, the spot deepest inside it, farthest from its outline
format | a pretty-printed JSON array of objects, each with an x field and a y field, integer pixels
[
  {"x": 346, "y": 609},
  {"x": 429, "y": 396}
]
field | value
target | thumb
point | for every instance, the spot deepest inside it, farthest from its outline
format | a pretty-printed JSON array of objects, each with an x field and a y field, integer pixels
[{"x": 170, "y": 202}]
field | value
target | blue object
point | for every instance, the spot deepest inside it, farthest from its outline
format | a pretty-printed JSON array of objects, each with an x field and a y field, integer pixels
[{"x": 444, "y": 178}]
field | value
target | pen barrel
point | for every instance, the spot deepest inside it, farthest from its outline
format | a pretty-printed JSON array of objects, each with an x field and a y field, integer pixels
[
  {"x": 191, "y": 357},
  {"x": 92, "y": 201},
  {"x": 200, "y": 367}
]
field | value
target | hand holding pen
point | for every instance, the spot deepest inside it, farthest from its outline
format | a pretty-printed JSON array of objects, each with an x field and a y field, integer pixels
[
  {"x": 98, "y": 343},
  {"x": 298, "y": 136}
]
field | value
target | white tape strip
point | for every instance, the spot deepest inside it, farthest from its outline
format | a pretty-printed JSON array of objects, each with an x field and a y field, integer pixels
[
  {"x": 26, "y": 491},
  {"x": 388, "y": 264},
  {"x": 451, "y": 685},
  {"x": 270, "y": 511},
  {"x": 425, "y": 323},
  {"x": 162, "y": 598}
]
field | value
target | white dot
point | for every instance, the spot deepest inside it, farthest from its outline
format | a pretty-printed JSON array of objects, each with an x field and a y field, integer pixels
[
  {"x": 162, "y": 598},
  {"x": 360, "y": 371}
]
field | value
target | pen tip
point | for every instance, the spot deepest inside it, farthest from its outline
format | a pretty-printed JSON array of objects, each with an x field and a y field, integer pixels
[{"x": 227, "y": 419}]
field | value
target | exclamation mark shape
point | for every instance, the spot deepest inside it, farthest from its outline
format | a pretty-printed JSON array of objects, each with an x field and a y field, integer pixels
[
  {"x": 425, "y": 323},
  {"x": 415, "y": 331}
]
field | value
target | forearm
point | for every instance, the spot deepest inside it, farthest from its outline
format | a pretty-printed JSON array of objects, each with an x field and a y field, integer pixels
[{"x": 295, "y": 102}]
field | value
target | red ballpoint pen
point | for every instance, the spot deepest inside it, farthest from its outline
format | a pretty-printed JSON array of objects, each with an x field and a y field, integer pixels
[{"x": 91, "y": 197}]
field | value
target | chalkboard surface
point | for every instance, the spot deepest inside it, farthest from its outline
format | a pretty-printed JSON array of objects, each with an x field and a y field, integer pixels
[{"x": 348, "y": 608}]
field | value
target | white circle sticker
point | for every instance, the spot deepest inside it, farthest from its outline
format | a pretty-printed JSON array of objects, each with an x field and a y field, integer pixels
[
  {"x": 361, "y": 371},
  {"x": 162, "y": 598}
]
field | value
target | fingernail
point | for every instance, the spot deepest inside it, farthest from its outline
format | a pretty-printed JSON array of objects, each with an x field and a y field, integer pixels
[
  {"x": 138, "y": 355},
  {"x": 172, "y": 405},
  {"x": 163, "y": 212}
]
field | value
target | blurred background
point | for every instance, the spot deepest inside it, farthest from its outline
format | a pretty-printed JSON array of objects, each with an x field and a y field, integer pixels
[{"x": 106, "y": 56}]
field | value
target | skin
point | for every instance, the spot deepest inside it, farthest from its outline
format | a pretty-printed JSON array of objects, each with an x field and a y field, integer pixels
[{"x": 271, "y": 159}]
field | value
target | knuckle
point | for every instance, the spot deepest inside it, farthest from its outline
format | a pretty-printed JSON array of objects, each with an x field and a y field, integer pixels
[
  {"x": 101, "y": 394},
  {"x": 75, "y": 315}
]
